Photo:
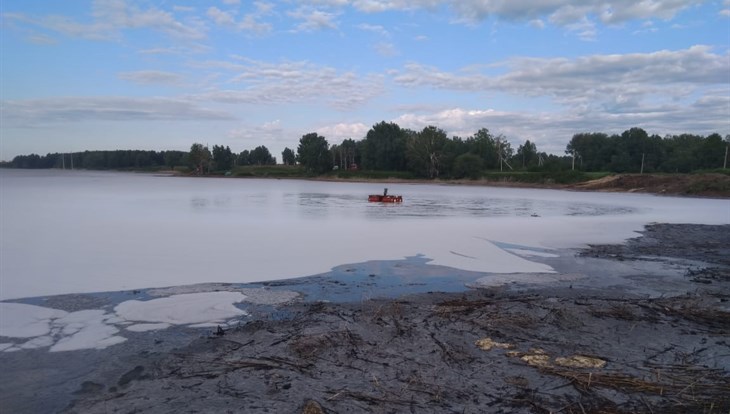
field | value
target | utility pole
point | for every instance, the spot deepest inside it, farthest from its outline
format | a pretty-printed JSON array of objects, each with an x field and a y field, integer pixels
[
  {"x": 573, "y": 167},
  {"x": 499, "y": 153},
  {"x": 642, "y": 163},
  {"x": 724, "y": 165}
]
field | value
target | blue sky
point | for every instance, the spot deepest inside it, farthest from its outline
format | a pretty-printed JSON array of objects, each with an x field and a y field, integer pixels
[{"x": 139, "y": 74}]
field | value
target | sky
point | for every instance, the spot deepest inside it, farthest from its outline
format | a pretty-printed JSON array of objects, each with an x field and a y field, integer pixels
[{"x": 161, "y": 75}]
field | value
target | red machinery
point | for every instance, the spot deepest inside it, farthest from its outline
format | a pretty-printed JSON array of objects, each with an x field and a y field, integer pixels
[{"x": 385, "y": 198}]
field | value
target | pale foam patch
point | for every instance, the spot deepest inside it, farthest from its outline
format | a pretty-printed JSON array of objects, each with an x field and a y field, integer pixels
[
  {"x": 478, "y": 255},
  {"x": 18, "y": 320},
  {"x": 57, "y": 329},
  {"x": 144, "y": 327},
  {"x": 259, "y": 296},
  {"x": 531, "y": 253},
  {"x": 37, "y": 342},
  {"x": 502, "y": 279},
  {"x": 86, "y": 329},
  {"x": 205, "y": 325},
  {"x": 96, "y": 329},
  {"x": 185, "y": 309}
]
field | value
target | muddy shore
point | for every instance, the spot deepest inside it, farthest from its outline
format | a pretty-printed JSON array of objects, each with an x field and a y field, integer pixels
[{"x": 643, "y": 327}]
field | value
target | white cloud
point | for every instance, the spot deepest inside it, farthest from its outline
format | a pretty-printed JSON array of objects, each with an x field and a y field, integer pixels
[
  {"x": 232, "y": 2},
  {"x": 338, "y": 132},
  {"x": 725, "y": 12},
  {"x": 149, "y": 77},
  {"x": 188, "y": 49},
  {"x": 559, "y": 12},
  {"x": 35, "y": 112},
  {"x": 584, "y": 28},
  {"x": 537, "y": 23},
  {"x": 386, "y": 49},
  {"x": 110, "y": 17},
  {"x": 264, "y": 83},
  {"x": 590, "y": 81},
  {"x": 313, "y": 20},
  {"x": 220, "y": 17},
  {"x": 375, "y": 28},
  {"x": 552, "y": 130},
  {"x": 250, "y": 23},
  {"x": 271, "y": 131}
]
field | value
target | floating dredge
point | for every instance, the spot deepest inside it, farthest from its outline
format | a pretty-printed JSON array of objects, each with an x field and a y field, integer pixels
[{"x": 385, "y": 198}]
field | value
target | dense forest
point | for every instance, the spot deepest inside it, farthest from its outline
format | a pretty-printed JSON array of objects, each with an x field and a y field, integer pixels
[{"x": 428, "y": 153}]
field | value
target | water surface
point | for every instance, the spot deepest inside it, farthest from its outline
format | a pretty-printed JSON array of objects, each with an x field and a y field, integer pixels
[{"x": 81, "y": 231}]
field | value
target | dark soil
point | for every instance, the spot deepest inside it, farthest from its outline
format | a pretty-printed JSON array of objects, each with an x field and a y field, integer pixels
[
  {"x": 704, "y": 185},
  {"x": 530, "y": 349}
]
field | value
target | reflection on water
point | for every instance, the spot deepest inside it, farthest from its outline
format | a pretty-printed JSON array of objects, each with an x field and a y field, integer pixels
[{"x": 320, "y": 205}]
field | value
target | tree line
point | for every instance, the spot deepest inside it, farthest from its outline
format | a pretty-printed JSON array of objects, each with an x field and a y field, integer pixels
[{"x": 428, "y": 153}]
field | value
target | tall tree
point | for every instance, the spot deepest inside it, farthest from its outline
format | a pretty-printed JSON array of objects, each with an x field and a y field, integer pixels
[
  {"x": 199, "y": 157},
  {"x": 313, "y": 153},
  {"x": 425, "y": 151},
  {"x": 526, "y": 154},
  {"x": 594, "y": 149},
  {"x": 288, "y": 157},
  {"x": 384, "y": 147},
  {"x": 222, "y": 158},
  {"x": 483, "y": 144},
  {"x": 711, "y": 154},
  {"x": 468, "y": 165},
  {"x": 349, "y": 153},
  {"x": 244, "y": 158},
  {"x": 261, "y": 156}
]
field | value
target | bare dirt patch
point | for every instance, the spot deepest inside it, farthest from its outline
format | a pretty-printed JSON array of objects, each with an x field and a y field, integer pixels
[{"x": 707, "y": 185}]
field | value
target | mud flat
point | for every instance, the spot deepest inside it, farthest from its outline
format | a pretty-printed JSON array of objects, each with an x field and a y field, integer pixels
[{"x": 638, "y": 327}]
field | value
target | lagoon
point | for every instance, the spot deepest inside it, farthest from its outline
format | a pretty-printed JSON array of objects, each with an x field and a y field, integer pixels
[{"x": 68, "y": 231}]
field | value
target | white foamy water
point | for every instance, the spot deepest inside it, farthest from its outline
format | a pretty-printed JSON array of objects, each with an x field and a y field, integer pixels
[
  {"x": 98, "y": 329},
  {"x": 77, "y": 231}
]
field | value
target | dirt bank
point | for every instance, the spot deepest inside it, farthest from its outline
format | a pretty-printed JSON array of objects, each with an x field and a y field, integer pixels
[
  {"x": 548, "y": 348},
  {"x": 705, "y": 185}
]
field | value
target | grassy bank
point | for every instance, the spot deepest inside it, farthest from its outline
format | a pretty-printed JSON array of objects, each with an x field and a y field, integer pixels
[
  {"x": 715, "y": 183},
  {"x": 528, "y": 177}
]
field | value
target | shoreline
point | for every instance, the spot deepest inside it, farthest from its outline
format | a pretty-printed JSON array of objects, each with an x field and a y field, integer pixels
[
  {"x": 652, "y": 315},
  {"x": 701, "y": 185}
]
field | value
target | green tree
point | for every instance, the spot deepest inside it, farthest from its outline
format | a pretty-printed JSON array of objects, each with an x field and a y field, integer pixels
[
  {"x": 349, "y": 154},
  {"x": 173, "y": 158},
  {"x": 261, "y": 156},
  {"x": 526, "y": 154},
  {"x": 594, "y": 149},
  {"x": 425, "y": 151},
  {"x": 244, "y": 158},
  {"x": 313, "y": 153},
  {"x": 344, "y": 155},
  {"x": 711, "y": 152},
  {"x": 199, "y": 156},
  {"x": 468, "y": 165},
  {"x": 384, "y": 147},
  {"x": 222, "y": 158},
  {"x": 288, "y": 157},
  {"x": 483, "y": 144}
]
